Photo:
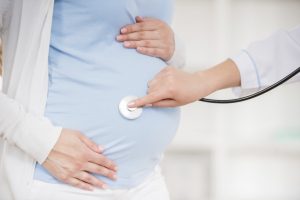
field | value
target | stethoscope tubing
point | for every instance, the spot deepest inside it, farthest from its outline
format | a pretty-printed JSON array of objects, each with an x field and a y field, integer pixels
[{"x": 254, "y": 95}]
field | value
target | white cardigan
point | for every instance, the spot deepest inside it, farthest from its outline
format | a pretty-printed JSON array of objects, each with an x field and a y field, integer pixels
[{"x": 26, "y": 136}]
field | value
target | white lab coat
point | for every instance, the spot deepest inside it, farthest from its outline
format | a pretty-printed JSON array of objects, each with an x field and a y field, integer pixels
[
  {"x": 26, "y": 136},
  {"x": 267, "y": 61}
]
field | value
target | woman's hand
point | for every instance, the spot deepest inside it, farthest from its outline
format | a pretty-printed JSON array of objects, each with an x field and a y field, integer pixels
[
  {"x": 150, "y": 37},
  {"x": 75, "y": 157}
]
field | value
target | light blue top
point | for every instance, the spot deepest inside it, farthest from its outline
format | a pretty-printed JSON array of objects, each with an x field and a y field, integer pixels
[{"x": 90, "y": 72}]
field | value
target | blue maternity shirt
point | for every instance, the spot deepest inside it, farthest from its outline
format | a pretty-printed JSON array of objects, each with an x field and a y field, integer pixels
[{"x": 90, "y": 72}]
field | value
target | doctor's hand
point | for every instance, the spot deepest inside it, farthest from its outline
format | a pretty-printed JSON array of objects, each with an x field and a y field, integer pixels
[
  {"x": 149, "y": 36},
  {"x": 73, "y": 159},
  {"x": 173, "y": 87}
]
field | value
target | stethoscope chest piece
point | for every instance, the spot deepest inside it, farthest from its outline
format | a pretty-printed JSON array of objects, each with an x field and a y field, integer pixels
[{"x": 129, "y": 113}]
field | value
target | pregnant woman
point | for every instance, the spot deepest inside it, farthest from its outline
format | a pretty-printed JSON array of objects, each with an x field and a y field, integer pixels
[
  {"x": 89, "y": 73},
  {"x": 57, "y": 108}
]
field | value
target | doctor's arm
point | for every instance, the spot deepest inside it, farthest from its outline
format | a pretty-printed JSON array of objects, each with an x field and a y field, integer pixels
[
  {"x": 261, "y": 64},
  {"x": 174, "y": 87},
  {"x": 267, "y": 61}
]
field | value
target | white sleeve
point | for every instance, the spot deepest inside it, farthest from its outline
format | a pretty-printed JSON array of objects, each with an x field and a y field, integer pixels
[
  {"x": 2, "y": 10},
  {"x": 33, "y": 134},
  {"x": 266, "y": 62},
  {"x": 179, "y": 57}
]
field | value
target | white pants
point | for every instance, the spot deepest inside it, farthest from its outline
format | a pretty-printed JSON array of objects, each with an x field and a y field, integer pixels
[{"x": 153, "y": 188}]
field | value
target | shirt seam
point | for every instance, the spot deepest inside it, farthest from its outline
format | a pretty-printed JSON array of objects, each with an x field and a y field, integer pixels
[{"x": 254, "y": 66}]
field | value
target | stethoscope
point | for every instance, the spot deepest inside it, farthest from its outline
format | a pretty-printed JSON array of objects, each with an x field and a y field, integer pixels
[{"x": 134, "y": 113}]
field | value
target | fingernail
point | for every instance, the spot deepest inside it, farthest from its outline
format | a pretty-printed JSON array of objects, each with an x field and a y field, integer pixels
[
  {"x": 123, "y": 30},
  {"x": 115, "y": 177},
  {"x": 119, "y": 37},
  {"x": 100, "y": 148},
  {"x": 148, "y": 105},
  {"x": 127, "y": 44},
  {"x": 138, "y": 18},
  {"x": 115, "y": 168},
  {"x": 131, "y": 104},
  {"x": 139, "y": 48},
  {"x": 104, "y": 186}
]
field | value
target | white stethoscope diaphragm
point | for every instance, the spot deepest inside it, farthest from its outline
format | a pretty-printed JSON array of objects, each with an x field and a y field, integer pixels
[{"x": 129, "y": 113}]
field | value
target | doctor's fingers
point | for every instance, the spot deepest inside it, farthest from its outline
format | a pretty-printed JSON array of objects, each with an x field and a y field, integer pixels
[
  {"x": 166, "y": 103},
  {"x": 167, "y": 98},
  {"x": 162, "y": 79},
  {"x": 147, "y": 100},
  {"x": 162, "y": 102},
  {"x": 161, "y": 90},
  {"x": 96, "y": 169}
]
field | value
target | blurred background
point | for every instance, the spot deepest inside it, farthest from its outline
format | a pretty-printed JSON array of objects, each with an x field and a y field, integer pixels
[{"x": 247, "y": 151}]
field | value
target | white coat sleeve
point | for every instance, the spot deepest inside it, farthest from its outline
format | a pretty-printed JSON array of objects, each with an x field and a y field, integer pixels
[
  {"x": 267, "y": 61},
  {"x": 179, "y": 56}
]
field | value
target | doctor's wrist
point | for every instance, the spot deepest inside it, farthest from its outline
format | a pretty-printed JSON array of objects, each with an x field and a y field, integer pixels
[{"x": 224, "y": 75}]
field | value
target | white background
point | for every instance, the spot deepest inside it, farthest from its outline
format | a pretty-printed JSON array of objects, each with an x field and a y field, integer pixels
[{"x": 246, "y": 151}]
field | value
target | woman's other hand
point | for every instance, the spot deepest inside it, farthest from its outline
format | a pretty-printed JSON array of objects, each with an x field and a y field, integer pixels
[
  {"x": 75, "y": 157},
  {"x": 149, "y": 36}
]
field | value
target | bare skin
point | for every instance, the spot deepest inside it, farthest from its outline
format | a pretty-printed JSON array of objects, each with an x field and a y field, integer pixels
[
  {"x": 174, "y": 87},
  {"x": 75, "y": 157},
  {"x": 149, "y": 36}
]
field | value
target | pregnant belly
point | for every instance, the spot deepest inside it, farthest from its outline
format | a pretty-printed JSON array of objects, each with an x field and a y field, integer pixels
[{"x": 87, "y": 100}]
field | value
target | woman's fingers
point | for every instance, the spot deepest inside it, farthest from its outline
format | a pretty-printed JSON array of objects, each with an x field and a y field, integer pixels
[
  {"x": 80, "y": 184},
  {"x": 141, "y": 25},
  {"x": 92, "y": 145},
  {"x": 96, "y": 157},
  {"x": 74, "y": 153},
  {"x": 102, "y": 161},
  {"x": 150, "y": 37},
  {"x": 154, "y": 52},
  {"x": 141, "y": 35},
  {"x": 96, "y": 169},
  {"x": 144, "y": 43},
  {"x": 140, "y": 19},
  {"x": 89, "y": 180},
  {"x": 66, "y": 172}
]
